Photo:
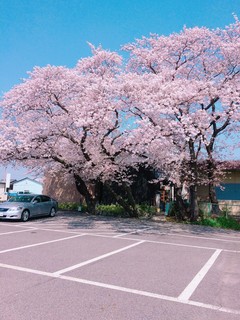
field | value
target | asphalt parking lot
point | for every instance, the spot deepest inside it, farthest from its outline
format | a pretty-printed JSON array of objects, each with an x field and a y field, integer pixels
[{"x": 97, "y": 268}]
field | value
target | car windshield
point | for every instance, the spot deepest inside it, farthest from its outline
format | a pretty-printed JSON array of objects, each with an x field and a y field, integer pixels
[{"x": 26, "y": 198}]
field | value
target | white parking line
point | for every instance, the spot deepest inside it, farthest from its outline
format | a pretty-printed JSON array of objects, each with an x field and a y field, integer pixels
[
  {"x": 28, "y": 270},
  {"x": 10, "y": 232},
  {"x": 182, "y": 245},
  {"x": 172, "y": 243},
  {"x": 123, "y": 237},
  {"x": 136, "y": 239},
  {"x": 151, "y": 295},
  {"x": 61, "y": 231},
  {"x": 24, "y": 225},
  {"x": 123, "y": 289},
  {"x": 220, "y": 233},
  {"x": 79, "y": 265},
  {"x": 199, "y": 237},
  {"x": 188, "y": 291},
  {"x": 40, "y": 243}
]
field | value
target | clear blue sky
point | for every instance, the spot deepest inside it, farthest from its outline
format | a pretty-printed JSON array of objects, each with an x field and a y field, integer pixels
[{"x": 40, "y": 32}]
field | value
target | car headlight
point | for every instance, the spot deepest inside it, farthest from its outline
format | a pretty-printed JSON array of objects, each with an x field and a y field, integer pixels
[{"x": 14, "y": 209}]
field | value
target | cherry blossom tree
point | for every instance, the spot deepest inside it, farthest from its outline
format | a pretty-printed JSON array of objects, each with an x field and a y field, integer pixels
[
  {"x": 186, "y": 88},
  {"x": 168, "y": 109},
  {"x": 67, "y": 120}
]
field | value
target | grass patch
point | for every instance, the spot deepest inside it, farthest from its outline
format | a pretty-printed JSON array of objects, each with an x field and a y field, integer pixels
[
  {"x": 110, "y": 210},
  {"x": 71, "y": 206},
  {"x": 116, "y": 210},
  {"x": 220, "y": 222},
  {"x": 146, "y": 210}
]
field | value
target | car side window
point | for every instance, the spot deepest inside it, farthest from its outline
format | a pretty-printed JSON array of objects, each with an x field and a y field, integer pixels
[
  {"x": 45, "y": 198},
  {"x": 37, "y": 199}
]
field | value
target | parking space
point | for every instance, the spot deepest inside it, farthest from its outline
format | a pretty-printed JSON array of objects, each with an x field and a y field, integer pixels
[
  {"x": 197, "y": 241},
  {"x": 51, "y": 256},
  {"x": 24, "y": 239},
  {"x": 224, "y": 281},
  {"x": 157, "y": 274},
  {"x": 82, "y": 267}
]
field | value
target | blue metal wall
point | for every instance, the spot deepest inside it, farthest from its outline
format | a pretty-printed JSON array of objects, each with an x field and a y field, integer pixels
[{"x": 231, "y": 191}]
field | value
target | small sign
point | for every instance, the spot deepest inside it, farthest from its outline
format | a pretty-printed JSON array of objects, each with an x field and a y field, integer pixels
[{"x": 8, "y": 177}]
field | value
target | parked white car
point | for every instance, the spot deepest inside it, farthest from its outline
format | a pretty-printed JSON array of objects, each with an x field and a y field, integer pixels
[{"x": 25, "y": 206}]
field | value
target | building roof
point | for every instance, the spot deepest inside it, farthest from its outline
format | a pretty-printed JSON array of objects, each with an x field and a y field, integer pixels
[
  {"x": 32, "y": 180},
  {"x": 231, "y": 165}
]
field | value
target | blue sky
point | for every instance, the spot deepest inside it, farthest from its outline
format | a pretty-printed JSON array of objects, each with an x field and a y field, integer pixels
[{"x": 40, "y": 32}]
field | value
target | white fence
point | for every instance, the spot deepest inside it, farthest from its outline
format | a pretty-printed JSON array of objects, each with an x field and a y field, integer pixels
[{"x": 231, "y": 207}]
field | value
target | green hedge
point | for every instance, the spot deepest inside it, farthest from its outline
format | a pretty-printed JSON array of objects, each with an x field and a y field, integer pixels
[
  {"x": 108, "y": 210},
  {"x": 117, "y": 210},
  {"x": 146, "y": 210},
  {"x": 220, "y": 222},
  {"x": 71, "y": 206}
]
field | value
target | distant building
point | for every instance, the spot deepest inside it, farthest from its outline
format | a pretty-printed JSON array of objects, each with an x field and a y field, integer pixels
[
  {"x": 3, "y": 195},
  {"x": 26, "y": 185},
  {"x": 228, "y": 194},
  {"x": 230, "y": 185}
]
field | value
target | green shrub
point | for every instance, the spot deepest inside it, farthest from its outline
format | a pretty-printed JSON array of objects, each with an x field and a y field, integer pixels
[
  {"x": 118, "y": 211},
  {"x": 110, "y": 210},
  {"x": 146, "y": 210},
  {"x": 226, "y": 222},
  {"x": 210, "y": 222},
  {"x": 68, "y": 206}
]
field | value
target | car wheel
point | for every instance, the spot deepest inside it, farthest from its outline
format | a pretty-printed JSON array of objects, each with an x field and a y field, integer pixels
[
  {"x": 25, "y": 216},
  {"x": 52, "y": 212}
]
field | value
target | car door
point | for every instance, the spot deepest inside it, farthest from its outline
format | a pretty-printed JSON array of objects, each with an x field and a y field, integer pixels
[
  {"x": 36, "y": 206},
  {"x": 46, "y": 204}
]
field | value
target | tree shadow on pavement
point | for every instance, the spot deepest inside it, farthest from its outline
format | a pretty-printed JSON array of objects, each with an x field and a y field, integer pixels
[{"x": 79, "y": 220}]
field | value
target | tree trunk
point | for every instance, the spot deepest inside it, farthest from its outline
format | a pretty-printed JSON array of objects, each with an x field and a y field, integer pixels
[
  {"x": 181, "y": 208},
  {"x": 213, "y": 199},
  {"x": 211, "y": 187},
  {"x": 88, "y": 194},
  {"x": 91, "y": 204},
  {"x": 194, "y": 209},
  {"x": 129, "y": 206},
  {"x": 130, "y": 197}
]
